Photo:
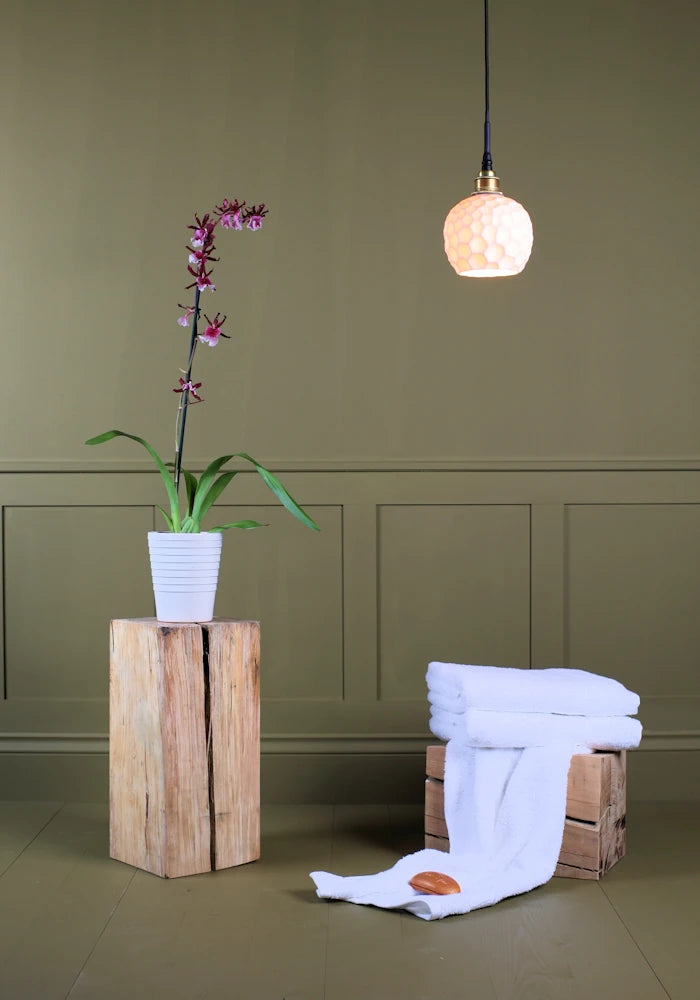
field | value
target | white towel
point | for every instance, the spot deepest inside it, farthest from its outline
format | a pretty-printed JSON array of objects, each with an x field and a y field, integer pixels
[
  {"x": 477, "y": 728},
  {"x": 456, "y": 687},
  {"x": 505, "y": 812},
  {"x": 505, "y": 797}
]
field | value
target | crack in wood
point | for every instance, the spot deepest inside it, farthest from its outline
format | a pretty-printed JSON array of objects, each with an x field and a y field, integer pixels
[
  {"x": 210, "y": 751},
  {"x": 145, "y": 820}
]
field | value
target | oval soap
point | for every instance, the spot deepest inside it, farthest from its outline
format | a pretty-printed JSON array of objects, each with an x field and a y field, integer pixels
[{"x": 434, "y": 884}]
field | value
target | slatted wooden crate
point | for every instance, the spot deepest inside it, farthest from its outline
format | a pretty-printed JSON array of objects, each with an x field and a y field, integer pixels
[
  {"x": 594, "y": 831},
  {"x": 184, "y": 752}
]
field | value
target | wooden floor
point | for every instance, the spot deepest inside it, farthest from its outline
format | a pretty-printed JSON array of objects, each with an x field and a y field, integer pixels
[{"x": 75, "y": 924}]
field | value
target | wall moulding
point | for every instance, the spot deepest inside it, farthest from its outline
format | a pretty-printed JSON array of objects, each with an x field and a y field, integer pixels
[
  {"x": 303, "y": 743},
  {"x": 604, "y": 579},
  {"x": 554, "y": 463}
]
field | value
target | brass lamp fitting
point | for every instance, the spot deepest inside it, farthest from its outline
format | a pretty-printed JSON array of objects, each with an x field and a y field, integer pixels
[{"x": 487, "y": 182}]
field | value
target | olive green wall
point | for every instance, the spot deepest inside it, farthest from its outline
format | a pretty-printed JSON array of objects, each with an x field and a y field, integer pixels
[{"x": 505, "y": 472}]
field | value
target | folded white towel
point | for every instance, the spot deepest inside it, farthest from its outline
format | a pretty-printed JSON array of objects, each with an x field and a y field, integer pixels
[
  {"x": 505, "y": 816},
  {"x": 510, "y": 689},
  {"x": 477, "y": 728}
]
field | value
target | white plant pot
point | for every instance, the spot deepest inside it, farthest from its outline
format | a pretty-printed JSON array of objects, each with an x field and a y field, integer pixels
[{"x": 185, "y": 571}]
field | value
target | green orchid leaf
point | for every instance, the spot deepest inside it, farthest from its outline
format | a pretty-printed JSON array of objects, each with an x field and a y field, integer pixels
[
  {"x": 280, "y": 492},
  {"x": 240, "y": 524},
  {"x": 167, "y": 517},
  {"x": 190, "y": 526},
  {"x": 167, "y": 479},
  {"x": 205, "y": 481},
  {"x": 215, "y": 491},
  {"x": 191, "y": 484}
]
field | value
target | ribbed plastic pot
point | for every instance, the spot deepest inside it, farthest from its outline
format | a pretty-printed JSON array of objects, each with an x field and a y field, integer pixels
[{"x": 185, "y": 572}]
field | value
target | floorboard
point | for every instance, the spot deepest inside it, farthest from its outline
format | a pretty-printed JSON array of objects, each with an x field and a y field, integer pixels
[
  {"x": 365, "y": 949},
  {"x": 20, "y": 822},
  {"x": 75, "y": 924},
  {"x": 560, "y": 942},
  {"x": 55, "y": 899},
  {"x": 656, "y": 892},
  {"x": 247, "y": 933}
]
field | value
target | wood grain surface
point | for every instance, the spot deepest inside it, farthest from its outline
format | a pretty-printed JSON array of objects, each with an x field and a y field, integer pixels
[
  {"x": 234, "y": 758},
  {"x": 184, "y": 745}
]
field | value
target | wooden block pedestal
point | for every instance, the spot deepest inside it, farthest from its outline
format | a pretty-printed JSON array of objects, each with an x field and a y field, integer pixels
[
  {"x": 184, "y": 750},
  {"x": 594, "y": 831}
]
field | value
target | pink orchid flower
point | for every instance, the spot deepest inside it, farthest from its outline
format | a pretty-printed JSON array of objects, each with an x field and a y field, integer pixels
[
  {"x": 201, "y": 237},
  {"x": 185, "y": 320},
  {"x": 213, "y": 331},
  {"x": 229, "y": 213},
  {"x": 203, "y": 231},
  {"x": 202, "y": 278},
  {"x": 254, "y": 216},
  {"x": 201, "y": 257},
  {"x": 186, "y": 387},
  {"x": 198, "y": 257},
  {"x": 204, "y": 281},
  {"x": 231, "y": 220}
]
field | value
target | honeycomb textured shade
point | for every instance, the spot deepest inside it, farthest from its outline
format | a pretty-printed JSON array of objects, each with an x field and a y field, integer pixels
[{"x": 488, "y": 235}]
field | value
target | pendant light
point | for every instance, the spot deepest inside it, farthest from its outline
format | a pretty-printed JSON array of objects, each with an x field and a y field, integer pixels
[{"x": 487, "y": 235}]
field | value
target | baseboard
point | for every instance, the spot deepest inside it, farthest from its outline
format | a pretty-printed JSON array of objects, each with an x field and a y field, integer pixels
[{"x": 655, "y": 775}]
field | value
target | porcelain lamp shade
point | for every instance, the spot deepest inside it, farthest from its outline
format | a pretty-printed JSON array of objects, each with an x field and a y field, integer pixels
[{"x": 488, "y": 235}]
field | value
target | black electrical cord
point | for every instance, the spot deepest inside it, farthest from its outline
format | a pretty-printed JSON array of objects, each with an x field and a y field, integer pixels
[{"x": 486, "y": 163}]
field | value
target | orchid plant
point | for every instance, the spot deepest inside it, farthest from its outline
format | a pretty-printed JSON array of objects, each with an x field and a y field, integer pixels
[{"x": 203, "y": 492}]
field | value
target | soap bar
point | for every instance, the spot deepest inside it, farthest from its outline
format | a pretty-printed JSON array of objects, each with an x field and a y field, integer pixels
[{"x": 434, "y": 884}]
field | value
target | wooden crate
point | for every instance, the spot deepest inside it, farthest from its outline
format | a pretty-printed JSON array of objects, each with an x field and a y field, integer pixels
[
  {"x": 184, "y": 752},
  {"x": 594, "y": 830}
]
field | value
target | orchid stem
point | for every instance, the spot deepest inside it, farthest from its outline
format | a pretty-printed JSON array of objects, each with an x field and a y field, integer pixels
[{"x": 184, "y": 397}]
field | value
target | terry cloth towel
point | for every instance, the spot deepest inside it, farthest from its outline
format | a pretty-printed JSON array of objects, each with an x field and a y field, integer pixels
[
  {"x": 476, "y": 728},
  {"x": 505, "y": 798},
  {"x": 505, "y": 812},
  {"x": 456, "y": 687}
]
